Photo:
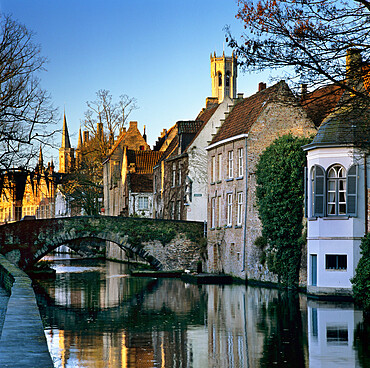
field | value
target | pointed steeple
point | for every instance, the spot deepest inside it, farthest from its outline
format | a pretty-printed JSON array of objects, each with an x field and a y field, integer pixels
[
  {"x": 41, "y": 160},
  {"x": 65, "y": 136},
  {"x": 79, "y": 143}
]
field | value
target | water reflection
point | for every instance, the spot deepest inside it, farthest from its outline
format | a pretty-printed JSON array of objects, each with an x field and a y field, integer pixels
[{"x": 96, "y": 315}]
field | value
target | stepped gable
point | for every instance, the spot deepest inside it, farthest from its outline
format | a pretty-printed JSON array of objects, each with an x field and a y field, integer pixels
[
  {"x": 246, "y": 111},
  {"x": 320, "y": 103}
]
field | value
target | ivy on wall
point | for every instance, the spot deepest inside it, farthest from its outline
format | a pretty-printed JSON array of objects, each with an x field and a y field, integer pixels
[
  {"x": 361, "y": 281},
  {"x": 280, "y": 198}
]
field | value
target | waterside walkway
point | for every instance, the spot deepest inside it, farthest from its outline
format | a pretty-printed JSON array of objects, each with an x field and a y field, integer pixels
[{"x": 22, "y": 343}]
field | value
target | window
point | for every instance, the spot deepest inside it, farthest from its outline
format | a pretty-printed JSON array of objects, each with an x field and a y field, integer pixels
[
  {"x": 219, "y": 204},
  {"x": 239, "y": 219},
  {"x": 173, "y": 174},
  {"x": 219, "y": 79},
  {"x": 336, "y": 184},
  {"x": 213, "y": 212},
  {"x": 143, "y": 203},
  {"x": 318, "y": 190},
  {"x": 172, "y": 210},
  {"x": 240, "y": 162},
  {"x": 229, "y": 209},
  {"x": 227, "y": 82},
  {"x": 333, "y": 192},
  {"x": 219, "y": 167},
  {"x": 230, "y": 164},
  {"x": 213, "y": 169},
  {"x": 178, "y": 210},
  {"x": 336, "y": 261},
  {"x": 179, "y": 175}
]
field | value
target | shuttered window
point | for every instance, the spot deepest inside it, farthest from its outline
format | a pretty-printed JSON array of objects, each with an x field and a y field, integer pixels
[
  {"x": 319, "y": 191},
  {"x": 352, "y": 191}
]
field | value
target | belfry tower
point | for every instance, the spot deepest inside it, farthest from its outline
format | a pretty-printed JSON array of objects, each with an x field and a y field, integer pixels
[
  {"x": 66, "y": 152},
  {"x": 223, "y": 73}
]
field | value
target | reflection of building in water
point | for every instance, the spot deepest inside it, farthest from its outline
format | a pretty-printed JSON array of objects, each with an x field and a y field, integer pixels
[
  {"x": 331, "y": 329},
  {"x": 227, "y": 326}
]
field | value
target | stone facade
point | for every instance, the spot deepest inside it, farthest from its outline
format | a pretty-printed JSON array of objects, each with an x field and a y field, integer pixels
[{"x": 233, "y": 223}]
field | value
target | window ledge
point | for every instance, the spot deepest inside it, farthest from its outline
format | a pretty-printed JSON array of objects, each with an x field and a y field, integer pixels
[
  {"x": 230, "y": 179},
  {"x": 335, "y": 270},
  {"x": 212, "y": 229},
  {"x": 329, "y": 218},
  {"x": 238, "y": 226},
  {"x": 213, "y": 183},
  {"x": 218, "y": 181},
  {"x": 218, "y": 228},
  {"x": 228, "y": 226},
  {"x": 239, "y": 178},
  {"x": 336, "y": 217}
]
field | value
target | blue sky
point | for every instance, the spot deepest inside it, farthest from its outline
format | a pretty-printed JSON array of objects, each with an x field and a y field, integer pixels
[{"x": 156, "y": 51}]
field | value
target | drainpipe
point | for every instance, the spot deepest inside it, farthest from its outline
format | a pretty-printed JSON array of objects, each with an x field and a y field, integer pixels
[{"x": 246, "y": 204}]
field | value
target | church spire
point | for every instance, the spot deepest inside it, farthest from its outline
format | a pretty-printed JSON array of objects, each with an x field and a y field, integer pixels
[
  {"x": 79, "y": 143},
  {"x": 41, "y": 160},
  {"x": 65, "y": 136}
]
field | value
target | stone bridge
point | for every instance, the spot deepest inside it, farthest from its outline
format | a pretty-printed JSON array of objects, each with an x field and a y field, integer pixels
[{"x": 164, "y": 244}]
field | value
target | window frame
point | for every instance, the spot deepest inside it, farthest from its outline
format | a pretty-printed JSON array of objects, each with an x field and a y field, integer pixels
[
  {"x": 230, "y": 164},
  {"x": 213, "y": 212},
  {"x": 337, "y": 262},
  {"x": 220, "y": 167},
  {"x": 240, "y": 162},
  {"x": 229, "y": 211},
  {"x": 338, "y": 191},
  {"x": 239, "y": 217}
]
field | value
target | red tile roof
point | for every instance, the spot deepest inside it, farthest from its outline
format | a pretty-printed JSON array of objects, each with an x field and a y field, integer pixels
[
  {"x": 320, "y": 103},
  {"x": 141, "y": 183},
  {"x": 246, "y": 111},
  {"x": 144, "y": 160}
]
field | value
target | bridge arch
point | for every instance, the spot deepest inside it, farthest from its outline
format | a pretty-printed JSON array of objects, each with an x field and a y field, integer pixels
[{"x": 164, "y": 244}]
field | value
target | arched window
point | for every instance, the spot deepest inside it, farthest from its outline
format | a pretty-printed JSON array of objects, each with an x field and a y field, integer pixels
[
  {"x": 336, "y": 190},
  {"x": 219, "y": 79},
  {"x": 227, "y": 82}
]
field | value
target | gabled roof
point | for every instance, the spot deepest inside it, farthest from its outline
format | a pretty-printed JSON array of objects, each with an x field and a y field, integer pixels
[
  {"x": 189, "y": 127},
  {"x": 320, "y": 103},
  {"x": 347, "y": 125},
  {"x": 141, "y": 183},
  {"x": 144, "y": 160},
  {"x": 246, "y": 111}
]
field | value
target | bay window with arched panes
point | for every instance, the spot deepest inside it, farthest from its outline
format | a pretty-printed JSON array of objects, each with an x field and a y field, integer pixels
[{"x": 334, "y": 191}]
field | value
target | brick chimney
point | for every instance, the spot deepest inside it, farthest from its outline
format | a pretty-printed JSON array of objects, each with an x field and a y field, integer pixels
[
  {"x": 211, "y": 102},
  {"x": 353, "y": 66},
  {"x": 261, "y": 86}
]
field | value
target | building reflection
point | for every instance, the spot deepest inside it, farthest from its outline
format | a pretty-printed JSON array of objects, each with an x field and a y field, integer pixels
[
  {"x": 331, "y": 331},
  {"x": 109, "y": 319}
]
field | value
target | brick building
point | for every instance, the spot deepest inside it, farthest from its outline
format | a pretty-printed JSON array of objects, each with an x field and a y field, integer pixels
[{"x": 252, "y": 124}]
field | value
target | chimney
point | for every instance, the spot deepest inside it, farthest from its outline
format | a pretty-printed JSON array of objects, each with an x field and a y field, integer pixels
[
  {"x": 144, "y": 135},
  {"x": 303, "y": 89},
  {"x": 240, "y": 96},
  {"x": 261, "y": 86},
  {"x": 133, "y": 124},
  {"x": 353, "y": 66},
  {"x": 211, "y": 102}
]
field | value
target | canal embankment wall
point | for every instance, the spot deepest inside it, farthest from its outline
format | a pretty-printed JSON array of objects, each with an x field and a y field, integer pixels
[{"x": 23, "y": 342}]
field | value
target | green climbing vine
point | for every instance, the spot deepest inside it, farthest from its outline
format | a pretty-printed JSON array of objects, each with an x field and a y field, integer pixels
[
  {"x": 280, "y": 194},
  {"x": 138, "y": 230},
  {"x": 361, "y": 281}
]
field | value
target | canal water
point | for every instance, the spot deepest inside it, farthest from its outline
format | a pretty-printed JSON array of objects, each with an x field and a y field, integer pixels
[{"x": 96, "y": 315}]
